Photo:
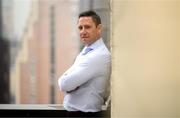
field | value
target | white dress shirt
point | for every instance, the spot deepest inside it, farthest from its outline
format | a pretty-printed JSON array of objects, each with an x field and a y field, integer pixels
[{"x": 85, "y": 82}]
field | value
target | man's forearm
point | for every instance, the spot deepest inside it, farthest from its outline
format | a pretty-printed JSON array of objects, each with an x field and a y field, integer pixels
[{"x": 73, "y": 90}]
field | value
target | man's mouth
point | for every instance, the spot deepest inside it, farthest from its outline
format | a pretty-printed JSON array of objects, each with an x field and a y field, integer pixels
[{"x": 84, "y": 37}]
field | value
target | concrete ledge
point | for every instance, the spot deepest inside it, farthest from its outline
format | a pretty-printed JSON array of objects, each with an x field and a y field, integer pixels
[{"x": 31, "y": 107}]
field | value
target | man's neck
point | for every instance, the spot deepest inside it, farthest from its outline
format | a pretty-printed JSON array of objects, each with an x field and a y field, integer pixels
[{"x": 87, "y": 45}]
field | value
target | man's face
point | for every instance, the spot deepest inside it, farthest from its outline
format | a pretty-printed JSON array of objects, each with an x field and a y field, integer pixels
[{"x": 88, "y": 30}]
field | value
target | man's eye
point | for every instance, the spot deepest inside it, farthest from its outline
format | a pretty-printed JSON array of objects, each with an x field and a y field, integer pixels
[
  {"x": 80, "y": 28},
  {"x": 87, "y": 27}
]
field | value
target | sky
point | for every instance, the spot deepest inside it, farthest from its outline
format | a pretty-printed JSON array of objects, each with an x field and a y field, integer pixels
[{"x": 21, "y": 13}]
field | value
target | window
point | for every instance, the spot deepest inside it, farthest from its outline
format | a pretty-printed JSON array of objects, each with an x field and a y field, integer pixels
[{"x": 40, "y": 42}]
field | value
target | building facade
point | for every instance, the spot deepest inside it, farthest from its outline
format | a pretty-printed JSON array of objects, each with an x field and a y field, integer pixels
[
  {"x": 49, "y": 47},
  {"x": 6, "y": 28}
]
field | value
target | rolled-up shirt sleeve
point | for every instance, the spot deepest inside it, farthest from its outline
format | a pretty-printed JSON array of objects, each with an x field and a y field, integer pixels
[{"x": 81, "y": 72}]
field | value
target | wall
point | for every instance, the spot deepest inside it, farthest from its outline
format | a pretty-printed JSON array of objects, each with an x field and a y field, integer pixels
[{"x": 145, "y": 58}]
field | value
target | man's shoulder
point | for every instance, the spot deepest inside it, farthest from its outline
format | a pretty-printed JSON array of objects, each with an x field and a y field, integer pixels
[
  {"x": 100, "y": 53},
  {"x": 104, "y": 50}
]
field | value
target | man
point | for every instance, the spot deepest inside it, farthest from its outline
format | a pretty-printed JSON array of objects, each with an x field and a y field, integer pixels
[{"x": 85, "y": 82}]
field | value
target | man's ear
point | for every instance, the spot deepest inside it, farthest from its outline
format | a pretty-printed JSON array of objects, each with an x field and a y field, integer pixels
[{"x": 99, "y": 27}]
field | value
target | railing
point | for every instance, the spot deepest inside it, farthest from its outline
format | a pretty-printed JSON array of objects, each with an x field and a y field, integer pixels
[{"x": 38, "y": 110}]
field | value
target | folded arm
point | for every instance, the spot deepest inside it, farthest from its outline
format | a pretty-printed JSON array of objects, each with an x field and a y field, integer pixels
[{"x": 80, "y": 74}]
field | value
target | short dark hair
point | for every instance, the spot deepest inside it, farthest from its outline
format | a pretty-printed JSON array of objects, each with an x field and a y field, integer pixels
[{"x": 95, "y": 17}]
